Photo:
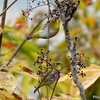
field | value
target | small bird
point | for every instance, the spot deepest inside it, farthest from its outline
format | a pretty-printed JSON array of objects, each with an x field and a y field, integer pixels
[
  {"x": 52, "y": 27},
  {"x": 51, "y": 77}
]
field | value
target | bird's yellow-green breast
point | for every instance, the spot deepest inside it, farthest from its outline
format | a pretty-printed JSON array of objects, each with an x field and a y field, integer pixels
[{"x": 55, "y": 23}]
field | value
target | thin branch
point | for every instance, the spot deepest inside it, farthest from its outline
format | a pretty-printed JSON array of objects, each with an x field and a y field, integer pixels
[
  {"x": 49, "y": 13},
  {"x": 54, "y": 87},
  {"x": 3, "y": 14},
  {"x": 66, "y": 13},
  {"x": 18, "y": 48},
  {"x": 3, "y": 21},
  {"x": 7, "y": 8},
  {"x": 23, "y": 42}
]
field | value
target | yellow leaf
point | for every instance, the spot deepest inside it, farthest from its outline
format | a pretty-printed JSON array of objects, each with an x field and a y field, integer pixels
[
  {"x": 92, "y": 74},
  {"x": 7, "y": 81},
  {"x": 90, "y": 21},
  {"x": 5, "y": 95},
  {"x": 75, "y": 31},
  {"x": 53, "y": 98},
  {"x": 65, "y": 96},
  {"x": 65, "y": 78},
  {"x": 69, "y": 97},
  {"x": 20, "y": 95},
  {"x": 21, "y": 69}
]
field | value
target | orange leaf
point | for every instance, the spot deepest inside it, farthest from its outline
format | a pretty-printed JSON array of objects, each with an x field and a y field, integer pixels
[
  {"x": 91, "y": 21},
  {"x": 27, "y": 70},
  {"x": 88, "y": 2},
  {"x": 8, "y": 45},
  {"x": 19, "y": 24}
]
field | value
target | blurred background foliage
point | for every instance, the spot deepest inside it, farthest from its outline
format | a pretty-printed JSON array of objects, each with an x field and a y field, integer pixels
[{"x": 85, "y": 25}]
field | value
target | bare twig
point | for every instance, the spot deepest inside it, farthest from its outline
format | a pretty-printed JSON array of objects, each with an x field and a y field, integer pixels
[
  {"x": 49, "y": 12},
  {"x": 23, "y": 42},
  {"x": 7, "y": 7},
  {"x": 55, "y": 85},
  {"x": 3, "y": 14},
  {"x": 66, "y": 16},
  {"x": 18, "y": 48},
  {"x": 3, "y": 22}
]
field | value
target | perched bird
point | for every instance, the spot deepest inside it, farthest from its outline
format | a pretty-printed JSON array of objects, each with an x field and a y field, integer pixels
[
  {"x": 51, "y": 77},
  {"x": 52, "y": 27}
]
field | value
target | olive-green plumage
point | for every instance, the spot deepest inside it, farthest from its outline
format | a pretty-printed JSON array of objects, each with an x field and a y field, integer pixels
[{"x": 50, "y": 30}]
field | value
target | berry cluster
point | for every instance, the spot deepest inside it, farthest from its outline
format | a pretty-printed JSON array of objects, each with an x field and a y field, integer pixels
[
  {"x": 81, "y": 59},
  {"x": 44, "y": 64},
  {"x": 68, "y": 7},
  {"x": 80, "y": 64}
]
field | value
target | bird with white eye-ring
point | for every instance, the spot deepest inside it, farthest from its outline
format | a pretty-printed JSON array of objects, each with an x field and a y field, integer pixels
[{"x": 52, "y": 27}]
